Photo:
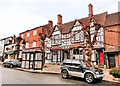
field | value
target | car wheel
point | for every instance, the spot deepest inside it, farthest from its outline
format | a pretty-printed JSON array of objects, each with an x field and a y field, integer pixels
[
  {"x": 3, "y": 65},
  {"x": 89, "y": 78},
  {"x": 11, "y": 66},
  {"x": 65, "y": 74}
]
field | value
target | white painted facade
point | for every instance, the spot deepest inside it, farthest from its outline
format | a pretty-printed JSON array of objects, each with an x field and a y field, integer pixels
[{"x": 2, "y": 43}]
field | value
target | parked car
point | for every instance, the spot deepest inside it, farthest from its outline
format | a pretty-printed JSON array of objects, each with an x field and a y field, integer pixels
[
  {"x": 81, "y": 68},
  {"x": 11, "y": 63}
]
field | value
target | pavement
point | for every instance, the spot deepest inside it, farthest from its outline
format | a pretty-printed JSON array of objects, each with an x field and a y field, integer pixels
[{"x": 51, "y": 68}]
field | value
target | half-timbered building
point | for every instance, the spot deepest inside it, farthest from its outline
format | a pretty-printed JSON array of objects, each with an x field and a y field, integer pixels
[
  {"x": 73, "y": 39},
  {"x": 68, "y": 40}
]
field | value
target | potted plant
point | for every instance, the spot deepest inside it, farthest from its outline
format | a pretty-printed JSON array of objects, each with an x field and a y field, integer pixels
[{"x": 115, "y": 72}]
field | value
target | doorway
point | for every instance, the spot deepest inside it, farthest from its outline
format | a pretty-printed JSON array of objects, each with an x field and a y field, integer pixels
[
  {"x": 111, "y": 60},
  {"x": 101, "y": 58}
]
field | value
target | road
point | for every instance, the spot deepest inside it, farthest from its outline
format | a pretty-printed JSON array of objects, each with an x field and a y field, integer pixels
[{"x": 12, "y": 76}]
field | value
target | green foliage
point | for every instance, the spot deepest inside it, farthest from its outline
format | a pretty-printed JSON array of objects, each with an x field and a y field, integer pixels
[{"x": 115, "y": 71}]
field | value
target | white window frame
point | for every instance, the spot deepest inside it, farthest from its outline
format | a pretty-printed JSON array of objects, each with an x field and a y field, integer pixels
[
  {"x": 34, "y": 44},
  {"x": 28, "y": 34},
  {"x": 27, "y": 45},
  {"x": 34, "y": 32}
]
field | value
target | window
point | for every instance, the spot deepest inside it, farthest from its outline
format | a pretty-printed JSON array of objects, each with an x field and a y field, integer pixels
[
  {"x": 13, "y": 41},
  {"x": 27, "y": 45},
  {"x": 34, "y": 44},
  {"x": 81, "y": 52},
  {"x": 76, "y": 51},
  {"x": 22, "y": 35},
  {"x": 28, "y": 34},
  {"x": 35, "y": 32},
  {"x": 77, "y": 36}
]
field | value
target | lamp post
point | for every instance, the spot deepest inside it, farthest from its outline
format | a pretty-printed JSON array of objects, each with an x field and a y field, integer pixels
[{"x": 42, "y": 46}]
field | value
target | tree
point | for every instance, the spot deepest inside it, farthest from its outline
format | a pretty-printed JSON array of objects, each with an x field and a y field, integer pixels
[
  {"x": 42, "y": 46},
  {"x": 90, "y": 36}
]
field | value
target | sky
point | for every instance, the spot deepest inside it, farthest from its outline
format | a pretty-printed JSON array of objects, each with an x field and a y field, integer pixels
[{"x": 17, "y": 16}]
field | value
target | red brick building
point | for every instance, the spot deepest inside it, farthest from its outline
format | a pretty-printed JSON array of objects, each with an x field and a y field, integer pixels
[
  {"x": 112, "y": 40},
  {"x": 32, "y": 37}
]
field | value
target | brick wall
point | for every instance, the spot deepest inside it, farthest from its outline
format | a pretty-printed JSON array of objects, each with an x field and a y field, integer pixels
[
  {"x": 112, "y": 38},
  {"x": 31, "y": 37}
]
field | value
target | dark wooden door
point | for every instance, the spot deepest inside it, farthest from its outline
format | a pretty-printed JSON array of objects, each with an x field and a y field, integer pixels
[{"x": 111, "y": 59}]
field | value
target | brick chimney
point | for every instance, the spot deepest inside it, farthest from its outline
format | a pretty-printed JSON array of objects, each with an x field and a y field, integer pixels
[
  {"x": 50, "y": 23},
  {"x": 90, "y": 10},
  {"x": 59, "y": 17}
]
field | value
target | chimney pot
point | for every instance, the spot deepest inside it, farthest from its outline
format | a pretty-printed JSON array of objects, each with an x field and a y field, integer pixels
[
  {"x": 50, "y": 23},
  {"x": 59, "y": 19},
  {"x": 90, "y": 10}
]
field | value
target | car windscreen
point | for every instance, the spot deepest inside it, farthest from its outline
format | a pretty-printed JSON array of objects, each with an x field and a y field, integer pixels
[{"x": 85, "y": 63}]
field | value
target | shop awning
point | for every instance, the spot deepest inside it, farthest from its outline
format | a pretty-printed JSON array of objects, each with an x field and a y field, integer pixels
[
  {"x": 10, "y": 52},
  {"x": 113, "y": 49},
  {"x": 77, "y": 45},
  {"x": 56, "y": 48}
]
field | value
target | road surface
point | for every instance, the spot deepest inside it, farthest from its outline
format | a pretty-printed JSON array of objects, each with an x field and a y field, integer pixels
[{"x": 12, "y": 76}]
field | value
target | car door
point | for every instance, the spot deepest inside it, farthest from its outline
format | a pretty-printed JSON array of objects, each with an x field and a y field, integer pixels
[{"x": 76, "y": 70}]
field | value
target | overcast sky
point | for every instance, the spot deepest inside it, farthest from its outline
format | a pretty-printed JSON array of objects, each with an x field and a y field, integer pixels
[{"x": 19, "y": 15}]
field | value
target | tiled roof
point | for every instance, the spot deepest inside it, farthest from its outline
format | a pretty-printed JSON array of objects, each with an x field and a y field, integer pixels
[
  {"x": 34, "y": 28},
  {"x": 113, "y": 19},
  {"x": 76, "y": 45},
  {"x": 56, "y": 48},
  {"x": 66, "y": 27}
]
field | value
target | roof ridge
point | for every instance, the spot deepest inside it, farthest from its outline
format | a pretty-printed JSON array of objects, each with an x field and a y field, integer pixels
[{"x": 114, "y": 13}]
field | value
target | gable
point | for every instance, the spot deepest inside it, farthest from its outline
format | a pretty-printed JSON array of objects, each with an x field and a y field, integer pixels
[
  {"x": 56, "y": 31},
  {"x": 77, "y": 23},
  {"x": 77, "y": 26}
]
